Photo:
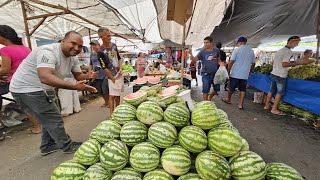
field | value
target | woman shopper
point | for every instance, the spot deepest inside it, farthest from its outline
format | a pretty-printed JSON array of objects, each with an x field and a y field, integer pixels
[
  {"x": 12, "y": 55},
  {"x": 193, "y": 71},
  {"x": 141, "y": 65}
]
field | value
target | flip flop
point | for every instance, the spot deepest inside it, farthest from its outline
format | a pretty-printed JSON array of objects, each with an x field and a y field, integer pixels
[
  {"x": 315, "y": 124},
  {"x": 225, "y": 101},
  {"x": 32, "y": 132},
  {"x": 240, "y": 107},
  {"x": 266, "y": 108},
  {"x": 105, "y": 105},
  {"x": 278, "y": 113}
]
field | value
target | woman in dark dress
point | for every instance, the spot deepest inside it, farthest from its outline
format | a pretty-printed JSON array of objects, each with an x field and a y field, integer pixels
[{"x": 193, "y": 71}]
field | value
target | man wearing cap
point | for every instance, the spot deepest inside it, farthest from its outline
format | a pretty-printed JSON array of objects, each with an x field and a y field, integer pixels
[
  {"x": 101, "y": 82},
  {"x": 241, "y": 64},
  {"x": 209, "y": 57},
  {"x": 282, "y": 61}
]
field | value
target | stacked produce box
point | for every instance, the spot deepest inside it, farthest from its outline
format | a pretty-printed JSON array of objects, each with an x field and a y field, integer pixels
[{"x": 158, "y": 138}]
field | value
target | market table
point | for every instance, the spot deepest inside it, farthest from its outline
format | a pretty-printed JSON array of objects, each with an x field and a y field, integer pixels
[{"x": 301, "y": 93}]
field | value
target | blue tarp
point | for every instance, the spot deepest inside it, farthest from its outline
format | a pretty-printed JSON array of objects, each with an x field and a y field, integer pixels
[{"x": 301, "y": 93}]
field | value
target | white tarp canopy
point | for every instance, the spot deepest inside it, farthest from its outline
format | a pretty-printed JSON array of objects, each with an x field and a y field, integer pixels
[{"x": 142, "y": 22}]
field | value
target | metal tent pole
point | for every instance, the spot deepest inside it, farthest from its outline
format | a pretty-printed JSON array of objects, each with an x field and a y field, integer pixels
[
  {"x": 318, "y": 35},
  {"x": 183, "y": 47}
]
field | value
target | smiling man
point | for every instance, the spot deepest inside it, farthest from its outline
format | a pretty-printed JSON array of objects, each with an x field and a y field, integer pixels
[{"x": 33, "y": 84}]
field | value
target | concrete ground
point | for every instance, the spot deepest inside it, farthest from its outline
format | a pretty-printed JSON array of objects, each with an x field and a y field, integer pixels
[{"x": 276, "y": 139}]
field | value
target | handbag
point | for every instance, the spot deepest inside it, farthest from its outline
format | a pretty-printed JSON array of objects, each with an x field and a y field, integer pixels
[{"x": 4, "y": 88}]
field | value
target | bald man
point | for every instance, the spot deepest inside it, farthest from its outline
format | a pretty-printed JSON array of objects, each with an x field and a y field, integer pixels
[{"x": 33, "y": 84}]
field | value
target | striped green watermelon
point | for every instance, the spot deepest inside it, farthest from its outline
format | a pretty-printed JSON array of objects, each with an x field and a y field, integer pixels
[
  {"x": 144, "y": 157},
  {"x": 222, "y": 114},
  {"x": 210, "y": 165},
  {"x": 162, "y": 134},
  {"x": 135, "y": 98},
  {"x": 133, "y": 133},
  {"x": 157, "y": 174},
  {"x": 157, "y": 87},
  {"x": 225, "y": 123},
  {"x": 224, "y": 141},
  {"x": 127, "y": 174},
  {"x": 106, "y": 131},
  {"x": 124, "y": 113},
  {"x": 151, "y": 92},
  {"x": 167, "y": 99},
  {"x": 190, "y": 176},
  {"x": 88, "y": 152},
  {"x": 176, "y": 160},
  {"x": 247, "y": 165},
  {"x": 97, "y": 172},
  {"x": 149, "y": 112},
  {"x": 206, "y": 103},
  {"x": 245, "y": 145},
  {"x": 205, "y": 116},
  {"x": 193, "y": 138},
  {"x": 177, "y": 114},
  {"x": 114, "y": 155},
  {"x": 280, "y": 171},
  {"x": 69, "y": 170}
]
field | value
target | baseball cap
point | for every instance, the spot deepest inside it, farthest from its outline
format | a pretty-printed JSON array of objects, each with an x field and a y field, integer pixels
[
  {"x": 94, "y": 42},
  {"x": 242, "y": 39}
]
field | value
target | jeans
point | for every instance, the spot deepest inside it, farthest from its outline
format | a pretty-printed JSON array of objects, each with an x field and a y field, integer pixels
[
  {"x": 44, "y": 106},
  {"x": 241, "y": 84},
  {"x": 207, "y": 82},
  {"x": 278, "y": 85}
]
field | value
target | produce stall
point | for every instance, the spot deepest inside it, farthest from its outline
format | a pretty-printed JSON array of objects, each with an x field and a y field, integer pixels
[
  {"x": 302, "y": 91},
  {"x": 156, "y": 135}
]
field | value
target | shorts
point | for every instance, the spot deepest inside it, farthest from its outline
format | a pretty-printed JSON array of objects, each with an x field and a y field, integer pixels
[
  {"x": 278, "y": 84},
  {"x": 115, "y": 88},
  {"x": 241, "y": 84},
  {"x": 102, "y": 86},
  {"x": 207, "y": 82}
]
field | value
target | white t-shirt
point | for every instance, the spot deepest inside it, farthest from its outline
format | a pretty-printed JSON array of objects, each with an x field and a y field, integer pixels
[
  {"x": 283, "y": 55},
  {"x": 26, "y": 78}
]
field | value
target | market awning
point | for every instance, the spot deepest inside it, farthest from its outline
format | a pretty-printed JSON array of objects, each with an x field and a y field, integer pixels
[{"x": 267, "y": 21}]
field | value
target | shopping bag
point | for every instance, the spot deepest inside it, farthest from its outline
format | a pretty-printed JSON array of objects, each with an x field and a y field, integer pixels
[{"x": 220, "y": 76}]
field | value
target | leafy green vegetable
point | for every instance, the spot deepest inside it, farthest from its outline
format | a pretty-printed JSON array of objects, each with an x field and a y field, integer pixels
[
  {"x": 128, "y": 68},
  {"x": 307, "y": 72}
]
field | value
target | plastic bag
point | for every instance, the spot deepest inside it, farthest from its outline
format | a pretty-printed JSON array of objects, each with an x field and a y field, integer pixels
[{"x": 221, "y": 75}]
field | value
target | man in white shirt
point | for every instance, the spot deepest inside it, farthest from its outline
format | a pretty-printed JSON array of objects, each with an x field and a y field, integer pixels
[
  {"x": 33, "y": 84},
  {"x": 281, "y": 63}
]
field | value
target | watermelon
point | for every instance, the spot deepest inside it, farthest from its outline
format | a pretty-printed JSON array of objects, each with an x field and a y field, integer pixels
[
  {"x": 157, "y": 174},
  {"x": 280, "y": 171},
  {"x": 106, "y": 131},
  {"x": 114, "y": 155},
  {"x": 162, "y": 134},
  {"x": 177, "y": 114},
  {"x": 140, "y": 81},
  {"x": 245, "y": 145},
  {"x": 151, "y": 92},
  {"x": 247, "y": 165},
  {"x": 225, "y": 123},
  {"x": 144, "y": 157},
  {"x": 69, "y": 170},
  {"x": 88, "y": 152},
  {"x": 133, "y": 133},
  {"x": 225, "y": 141},
  {"x": 157, "y": 87},
  {"x": 127, "y": 174},
  {"x": 193, "y": 138},
  {"x": 190, "y": 176},
  {"x": 124, "y": 113},
  {"x": 222, "y": 114},
  {"x": 97, "y": 172},
  {"x": 176, "y": 160},
  {"x": 154, "y": 80},
  {"x": 135, "y": 98},
  {"x": 167, "y": 99},
  {"x": 205, "y": 115},
  {"x": 211, "y": 165},
  {"x": 149, "y": 112}
]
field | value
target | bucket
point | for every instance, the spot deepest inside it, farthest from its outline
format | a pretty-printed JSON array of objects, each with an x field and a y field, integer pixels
[{"x": 186, "y": 96}]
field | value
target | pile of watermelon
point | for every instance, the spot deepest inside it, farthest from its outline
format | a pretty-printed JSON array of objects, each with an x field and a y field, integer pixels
[{"x": 160, "y": 139}]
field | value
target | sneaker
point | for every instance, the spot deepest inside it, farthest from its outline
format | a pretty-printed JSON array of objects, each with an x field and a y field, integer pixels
[
  {"x": 50, "y": 149},
  {"x": 73, "y": 147}
]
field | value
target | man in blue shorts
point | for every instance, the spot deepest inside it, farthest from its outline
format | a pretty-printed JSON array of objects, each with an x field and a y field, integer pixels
[{"x": 210, "y": 59}]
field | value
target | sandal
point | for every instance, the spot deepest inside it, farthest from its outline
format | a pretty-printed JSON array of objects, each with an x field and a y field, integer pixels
[
  {"x": 225, "y": 101},
  {"x": 266, "y": 108},
  {"x": 278, "y": 113},
  {"x": 240, "y": 107},
  {"x": 34, "y": 132},
  {"x": 316, "y": 125}
]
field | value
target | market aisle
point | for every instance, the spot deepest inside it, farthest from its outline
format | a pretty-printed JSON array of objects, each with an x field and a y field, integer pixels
[
  {"x": 276, "y": 139},
  {"x": 20, "y": 156}
]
